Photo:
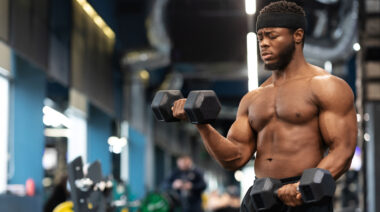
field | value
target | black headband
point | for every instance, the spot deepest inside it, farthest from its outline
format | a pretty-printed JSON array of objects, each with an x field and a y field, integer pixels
[{"x": 285, "y": 20}]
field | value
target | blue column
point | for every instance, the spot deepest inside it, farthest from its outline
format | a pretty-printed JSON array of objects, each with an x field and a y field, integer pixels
[
  {"x": 27, "y": 129},
  {"x": 136, "y": 147},
  {"x": 99, "y": 130}
]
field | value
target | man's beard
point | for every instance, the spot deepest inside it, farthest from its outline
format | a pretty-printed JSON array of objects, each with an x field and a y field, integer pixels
[{"x": 284, "y": 58}]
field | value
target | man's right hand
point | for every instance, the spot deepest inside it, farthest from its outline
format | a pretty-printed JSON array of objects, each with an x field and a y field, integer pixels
[
  {"x": 178, "y": 109},
  {"x": 289, "y": 195}
]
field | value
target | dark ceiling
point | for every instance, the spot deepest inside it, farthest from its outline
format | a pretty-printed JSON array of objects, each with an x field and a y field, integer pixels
[{"x": 213, "y": 33}]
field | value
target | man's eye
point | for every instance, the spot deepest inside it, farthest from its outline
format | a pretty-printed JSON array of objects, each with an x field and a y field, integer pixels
[{"x": 272, "y": 36}]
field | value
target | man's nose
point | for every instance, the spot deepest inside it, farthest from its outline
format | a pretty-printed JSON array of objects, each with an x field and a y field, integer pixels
[{"x": 264, "y": 43}]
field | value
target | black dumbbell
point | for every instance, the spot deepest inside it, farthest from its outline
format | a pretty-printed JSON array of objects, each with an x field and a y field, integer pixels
[
  {"x": 201, "y": 106},
  {"x": 264, "y": 193},
  {"x": 163, "y": 102},
  {"x": 315, "y": 184}
]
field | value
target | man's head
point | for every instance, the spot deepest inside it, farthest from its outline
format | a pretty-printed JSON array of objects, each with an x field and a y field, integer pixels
[
  {"x": 280, "y": 30},
  {"x": 184, "y": 162}
]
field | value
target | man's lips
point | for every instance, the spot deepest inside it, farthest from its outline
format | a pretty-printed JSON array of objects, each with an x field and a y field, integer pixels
[{"x": 266, "y": 55}]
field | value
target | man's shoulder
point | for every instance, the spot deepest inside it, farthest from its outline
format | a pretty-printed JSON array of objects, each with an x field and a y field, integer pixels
[
  {"x": 328, "y": 88},
  {"x": 327, "y": 82},
  {"x": 251, "y": 95}
]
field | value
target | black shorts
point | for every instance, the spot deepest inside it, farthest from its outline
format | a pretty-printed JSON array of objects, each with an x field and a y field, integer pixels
[{"x": 325, "y": 205}]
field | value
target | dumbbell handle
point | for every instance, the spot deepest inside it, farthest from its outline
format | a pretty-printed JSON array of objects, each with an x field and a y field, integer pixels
[{"x": 305, "y": 188}]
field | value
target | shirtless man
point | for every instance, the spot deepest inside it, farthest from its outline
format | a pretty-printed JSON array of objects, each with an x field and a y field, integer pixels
[{"x": 292, "y": 118}]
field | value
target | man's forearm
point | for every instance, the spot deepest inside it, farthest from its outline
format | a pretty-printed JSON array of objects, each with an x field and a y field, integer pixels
[{"x": 336, "y": 163}]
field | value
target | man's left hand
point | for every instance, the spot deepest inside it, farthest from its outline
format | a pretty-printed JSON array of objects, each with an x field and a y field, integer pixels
[{"x": 289, "y": 195}]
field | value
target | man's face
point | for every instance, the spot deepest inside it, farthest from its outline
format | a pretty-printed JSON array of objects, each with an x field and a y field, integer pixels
[
  {"x": 276, "y": 47},
  {"x": 184, "y": 163}
]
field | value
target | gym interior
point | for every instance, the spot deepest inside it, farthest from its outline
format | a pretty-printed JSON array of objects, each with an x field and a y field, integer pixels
[{"x": 78, "y": 78}]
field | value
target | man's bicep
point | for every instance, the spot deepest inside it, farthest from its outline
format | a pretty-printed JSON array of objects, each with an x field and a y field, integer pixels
[
  {"x": 241, "y": 132},
  {"x": 337, "y": 122},
  {"x": 339, "y": 132},
  {"x": 244, "y": 138},
  {"x": 338, "y": 128},
  {"x": 337, "y": 116}
]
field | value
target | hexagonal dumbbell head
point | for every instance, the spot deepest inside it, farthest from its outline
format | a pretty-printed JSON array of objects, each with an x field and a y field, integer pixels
[
  {"x": 315, "y": 184},
  {"x": 202, "y": 106},
  {"x": 163, "y": 102},
  {"x": 263, "y": 193}
]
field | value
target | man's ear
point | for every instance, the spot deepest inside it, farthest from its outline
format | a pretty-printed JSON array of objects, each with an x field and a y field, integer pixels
[{"x": 298, "y": 36}]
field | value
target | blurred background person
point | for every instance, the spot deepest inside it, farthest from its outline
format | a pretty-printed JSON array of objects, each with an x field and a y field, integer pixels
[{"x": 188, "y": 183}]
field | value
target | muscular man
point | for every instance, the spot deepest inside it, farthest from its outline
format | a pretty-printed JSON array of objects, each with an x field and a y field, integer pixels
[{"x": 292, "y": 118}]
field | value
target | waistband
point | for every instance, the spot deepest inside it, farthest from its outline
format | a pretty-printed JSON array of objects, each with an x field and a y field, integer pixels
[{"x": 288, "y": 180}]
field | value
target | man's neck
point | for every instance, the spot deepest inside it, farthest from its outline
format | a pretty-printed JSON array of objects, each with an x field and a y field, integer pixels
[{"x": 296, "y": 67}]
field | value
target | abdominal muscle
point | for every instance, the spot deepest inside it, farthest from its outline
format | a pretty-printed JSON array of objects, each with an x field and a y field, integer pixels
[{"x": 286, "y": 151}]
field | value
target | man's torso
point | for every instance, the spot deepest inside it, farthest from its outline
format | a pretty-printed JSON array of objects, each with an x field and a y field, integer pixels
[{"x": 285, "y": 118}]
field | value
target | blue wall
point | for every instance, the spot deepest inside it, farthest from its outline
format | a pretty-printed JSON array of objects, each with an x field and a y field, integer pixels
[
  {"x": 28, "y": 93},
  {"x": 99, "y": 130},
  {"x": 136, "y": 159}
]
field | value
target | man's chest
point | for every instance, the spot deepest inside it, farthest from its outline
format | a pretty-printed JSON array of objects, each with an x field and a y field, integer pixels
[{"x": 293, "y": 103}]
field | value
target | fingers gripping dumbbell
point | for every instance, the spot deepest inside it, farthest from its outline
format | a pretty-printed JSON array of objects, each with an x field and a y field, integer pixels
[
  {"x": 201, "y": 106},
  {"x": 315, "y": 184}
]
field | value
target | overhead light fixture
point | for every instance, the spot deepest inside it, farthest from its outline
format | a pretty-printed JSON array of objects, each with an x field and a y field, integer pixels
[
  {"x": 328, "y": 66},
  {"x": 144, "y": 75},
  {"x": 356, "y": 47},
  {"x": 116, "y": 144},
  {"x": 89, "y": 10},
  {"x": 97, "y": 19},
  {"x": 253, "y": 79},
  {"x": 250, "y": 7}
]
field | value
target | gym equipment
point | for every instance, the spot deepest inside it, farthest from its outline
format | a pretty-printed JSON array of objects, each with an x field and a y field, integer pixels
[
  {"x": 264, "y": 193},
  {"x": 315, "y": 184},
  {"x": 162, "y": 103},
  {"x": 164, "y": 201},
  {"x": 201, "y": 106},
  {"x": 90, "y": 192},
  {"x": 155, "y": 202},
  {"x": 64, "y": 207}
]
